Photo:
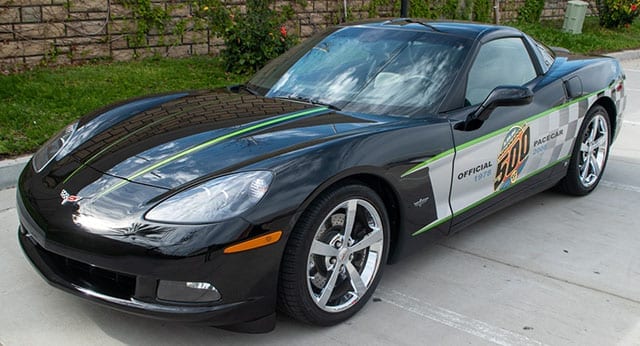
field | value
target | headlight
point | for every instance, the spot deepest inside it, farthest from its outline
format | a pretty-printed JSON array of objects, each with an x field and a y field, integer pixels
[
  {"x": 53, "y": 146},
  {"x": 215, "y": 200}
]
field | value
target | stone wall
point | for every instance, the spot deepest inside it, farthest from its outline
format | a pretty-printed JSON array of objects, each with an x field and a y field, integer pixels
[
  {"x": 553, "y": 9},
  {"x": 67, "y": 31}
]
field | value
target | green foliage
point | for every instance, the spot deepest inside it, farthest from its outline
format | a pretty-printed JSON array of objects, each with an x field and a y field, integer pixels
[
  {"x": 340, "y": 16},
  {"x": 617, "y": 13},
  {"x": 593, "y": 40},
  {"x": 422, "y": 9},
  {"x": 531, "y": 11},
  {"x": 251, "y": 38},
  {"x": 465, "y": 12},
  {"x": 180, "y": 27},
  {"x": 147, "y": 17},
  {"x": 438, "y": 9},
  {"x": 302, "y": 3},
  {"x": 51, "y": 55},
  {"x": 449, "y": 9},
  {"x": 372, "y": 8},
  {"x": 64, "y": 94},
  {"x": 482, "y": 10}
]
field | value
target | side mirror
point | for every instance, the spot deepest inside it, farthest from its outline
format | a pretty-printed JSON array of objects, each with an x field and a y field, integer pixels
[{"x": 502, "y": 96}]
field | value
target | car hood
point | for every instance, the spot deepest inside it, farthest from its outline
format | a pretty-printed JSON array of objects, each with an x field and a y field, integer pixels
[{"x": 166, "y": 141}]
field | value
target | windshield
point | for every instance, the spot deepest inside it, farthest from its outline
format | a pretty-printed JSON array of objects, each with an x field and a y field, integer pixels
[{"x": 371, "y": 70}]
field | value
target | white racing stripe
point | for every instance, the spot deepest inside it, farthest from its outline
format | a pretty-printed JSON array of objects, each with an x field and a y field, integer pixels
[
  {"x": 453, "y": 319},
  {"x": 619, "y": 186}
]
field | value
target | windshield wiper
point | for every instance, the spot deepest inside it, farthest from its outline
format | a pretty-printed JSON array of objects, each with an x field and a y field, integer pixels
[
  {"x": 410, "y": 21},
  {"x": 308, "y": 100}
]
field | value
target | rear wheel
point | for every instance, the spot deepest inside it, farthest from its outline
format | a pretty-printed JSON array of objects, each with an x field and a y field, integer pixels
[
  {"x": 334, "y": 257},
  {"x": 590, "y": 154}
]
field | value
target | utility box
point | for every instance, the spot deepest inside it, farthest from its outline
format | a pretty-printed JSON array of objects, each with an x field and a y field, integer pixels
[{"x": 574, "y": 16}]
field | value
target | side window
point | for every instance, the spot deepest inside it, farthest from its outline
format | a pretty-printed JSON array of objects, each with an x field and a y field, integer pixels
[
  {"x": 499, "y": 62},
  {"x": 547, "y": 56}
]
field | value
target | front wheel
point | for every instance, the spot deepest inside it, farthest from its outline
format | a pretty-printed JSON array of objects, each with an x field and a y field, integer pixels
[
  {"x": 334, "y": 257},
  {"x": 590, "y": 154}
]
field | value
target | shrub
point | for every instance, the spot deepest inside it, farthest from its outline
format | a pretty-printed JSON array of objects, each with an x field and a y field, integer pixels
[
  {"x": 147, "y": 17},
  {"x": 617, "y": 13},
  {"x": 531, "y": 11},
  {"x": 251, "y": 38},
  {"x": 449, "y": 9},
  {"x": 482, "y": 10}
]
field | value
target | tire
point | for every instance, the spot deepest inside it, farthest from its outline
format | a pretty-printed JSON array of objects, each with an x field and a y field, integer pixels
[
  {"x": 590, "y": 154},
  {"x": 323, "y": 279}
]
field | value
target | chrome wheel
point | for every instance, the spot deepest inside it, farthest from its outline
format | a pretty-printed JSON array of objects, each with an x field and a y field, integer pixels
[
  {"x": 589, "y": 154},
  {"x": 593, "y": 150},
  {"x": 345, "y": 255},
  {"x": 334, "y": 257}
]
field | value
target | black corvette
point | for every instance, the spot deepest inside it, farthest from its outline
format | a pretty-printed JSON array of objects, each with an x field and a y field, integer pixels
[{"x": 294, "y": 190}]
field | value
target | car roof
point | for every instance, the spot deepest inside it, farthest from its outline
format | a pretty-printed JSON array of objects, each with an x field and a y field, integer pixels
[{"x": 468, "y": 30}]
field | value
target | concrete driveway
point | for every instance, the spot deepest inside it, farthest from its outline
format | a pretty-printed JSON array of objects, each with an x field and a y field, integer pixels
[{"x": 551, "y": 270}]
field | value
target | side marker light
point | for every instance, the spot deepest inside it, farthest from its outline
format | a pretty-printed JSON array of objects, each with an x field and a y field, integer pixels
[{"x": 255, "y": 243}]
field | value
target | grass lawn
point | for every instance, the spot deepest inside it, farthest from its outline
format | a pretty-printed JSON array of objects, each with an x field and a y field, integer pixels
[
  {"x": 36, "y": 104},
  {"x": 593, "y": 40}
]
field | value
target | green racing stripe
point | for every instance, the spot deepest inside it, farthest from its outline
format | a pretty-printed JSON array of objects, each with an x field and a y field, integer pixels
[
  {"x": 486, "y": 198},
  {"x": 478, "y": 140},
  {"x": 209, "y": 143},
  {"x": 498, "y": 132},
  {"x": 428, "y": 162},
  {"x": 128, "y": 135}
]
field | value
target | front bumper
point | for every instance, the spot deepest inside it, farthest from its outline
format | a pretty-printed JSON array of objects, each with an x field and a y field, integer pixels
[{"x": 247, "y": 281}]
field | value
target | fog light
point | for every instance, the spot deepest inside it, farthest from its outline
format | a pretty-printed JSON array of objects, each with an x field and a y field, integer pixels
[{"x": 187, "y": 291}]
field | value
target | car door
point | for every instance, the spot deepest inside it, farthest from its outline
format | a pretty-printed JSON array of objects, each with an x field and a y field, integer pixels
[{"x": 491, "y": 160}]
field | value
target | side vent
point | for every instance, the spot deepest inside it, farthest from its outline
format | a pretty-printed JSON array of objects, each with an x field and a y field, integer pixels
[{"x": 573, "y": 86}]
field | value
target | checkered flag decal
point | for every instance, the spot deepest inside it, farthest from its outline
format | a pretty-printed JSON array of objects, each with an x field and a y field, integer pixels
[{"x": 567, "y": 120}]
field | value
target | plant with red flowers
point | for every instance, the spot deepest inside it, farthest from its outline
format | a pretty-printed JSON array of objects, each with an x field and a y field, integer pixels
[
  {"x": 617, "y": 13},
  {"x": 251, "y": 37}
]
